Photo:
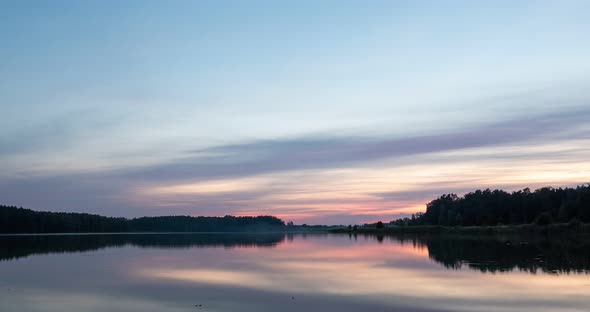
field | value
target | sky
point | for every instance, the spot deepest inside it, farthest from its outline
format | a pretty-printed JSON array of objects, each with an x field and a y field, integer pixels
[{"x": 320, "y": 112}]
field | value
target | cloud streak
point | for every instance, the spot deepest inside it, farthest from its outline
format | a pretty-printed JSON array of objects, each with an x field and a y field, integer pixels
[{"x": 260, "y": 157}]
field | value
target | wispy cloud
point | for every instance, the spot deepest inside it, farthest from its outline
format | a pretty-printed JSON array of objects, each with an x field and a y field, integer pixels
[{"x": 260, "y": 157}]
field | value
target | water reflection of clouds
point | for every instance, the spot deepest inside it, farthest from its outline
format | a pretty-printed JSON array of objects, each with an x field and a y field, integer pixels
[
  {"x": 325, "y": 272},
  {"x": 226, "y": 277},
  {"x": 378, "y": 272}
]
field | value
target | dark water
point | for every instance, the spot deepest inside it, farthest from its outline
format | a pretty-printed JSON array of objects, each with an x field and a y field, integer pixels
[{"x": 278, "y": 272}]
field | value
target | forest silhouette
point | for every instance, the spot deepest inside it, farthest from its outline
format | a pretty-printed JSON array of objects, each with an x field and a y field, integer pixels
[
  {"x": 20, "y": 220},
  {"x": 489, "y": 208},
  {"x": 543, "y": 206}
]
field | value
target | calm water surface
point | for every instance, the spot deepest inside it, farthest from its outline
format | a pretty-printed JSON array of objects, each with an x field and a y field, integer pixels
[{"x": 278, "y": 272}]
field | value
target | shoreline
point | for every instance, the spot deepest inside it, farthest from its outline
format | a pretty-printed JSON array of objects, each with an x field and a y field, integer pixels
[{"x": 474, "y": 230}]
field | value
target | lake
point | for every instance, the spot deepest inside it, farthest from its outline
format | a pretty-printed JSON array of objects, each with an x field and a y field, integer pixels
[{"x": 292, "y": 272}]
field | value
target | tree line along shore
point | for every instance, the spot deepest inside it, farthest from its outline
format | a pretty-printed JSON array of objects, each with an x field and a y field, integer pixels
[
  {"x": 495, "y": 211},
  {"x": 20, "y": 220},
  {"x": 481, "y": 211}
]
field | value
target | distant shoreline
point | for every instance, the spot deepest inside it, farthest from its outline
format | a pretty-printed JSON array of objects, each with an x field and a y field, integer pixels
[
  {"x": 141, "y": 233},
  {"x": 15, "y": 220},
  {"x": 478, "y": 230},
  {"x": 309, "y": 230}
]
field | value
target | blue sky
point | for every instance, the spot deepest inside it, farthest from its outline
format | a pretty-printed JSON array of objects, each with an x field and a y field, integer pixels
[{"x": 316, "y": 111}]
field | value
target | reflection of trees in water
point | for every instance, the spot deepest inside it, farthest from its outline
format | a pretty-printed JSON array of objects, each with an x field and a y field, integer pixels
[
  {"x": 557, "y": 255},
  {"x": 567, "y": 254},
  {"x": 13, "y": 247}
]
